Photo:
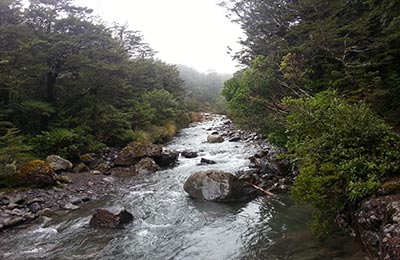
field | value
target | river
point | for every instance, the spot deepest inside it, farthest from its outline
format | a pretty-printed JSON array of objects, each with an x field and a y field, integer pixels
[{"x": 170, "y": 225}]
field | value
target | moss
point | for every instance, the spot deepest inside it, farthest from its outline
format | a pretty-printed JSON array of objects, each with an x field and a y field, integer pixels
[
  {"x": 36, "y": 173},
  {"x": 86, "y": 158},
  {"x": 391, "y": 186}
]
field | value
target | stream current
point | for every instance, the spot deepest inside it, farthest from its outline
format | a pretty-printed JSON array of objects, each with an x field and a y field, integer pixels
[{"x": 170, "y": 225}]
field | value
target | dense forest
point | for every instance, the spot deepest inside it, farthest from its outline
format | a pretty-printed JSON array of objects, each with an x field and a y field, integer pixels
[
  {"x": 70, "y": 84},
  {"x": 322, "y": 79}
]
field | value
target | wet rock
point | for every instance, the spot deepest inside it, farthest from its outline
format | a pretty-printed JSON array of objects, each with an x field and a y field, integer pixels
[
  {"x": 4, "y": 201},
  {"x": 95, "y": 172},
  {"x": 34, "y": 207},
  {"x": 216, "y": 186},
  {"x": 378, "y": 224},
  {"x": 235, "y": 138},
  {"x": 189, "y": 154},
  {"x": 64, "y": 179},
  {"x": 166, "y": 158},
  {"x": 45, "y": 212},
  {"x": 124, "y": 171},
  {"x": 58, "y": 163},
  {"x": 70, "y": 206},
  {"x": 17, "y": 199},
  {"x": 75, "y": 200},
  {"x": 37, "y": 174},
  {"x": 207, "y": 161},
  {"x": 133, "y": 152},
  {"x": 110, "y": 218},
  {"x": 109, "y": 179},
  {"x": 146, "y": 165},
  {"x": 215, "y": 139},
  {"x": 11, "y": 221}
]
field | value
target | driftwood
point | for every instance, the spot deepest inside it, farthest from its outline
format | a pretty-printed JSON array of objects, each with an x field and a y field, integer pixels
[{"x": 266, "y": 192}]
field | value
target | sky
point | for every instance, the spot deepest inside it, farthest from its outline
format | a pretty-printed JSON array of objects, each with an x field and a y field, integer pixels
[{"x": 195, "y": 33}]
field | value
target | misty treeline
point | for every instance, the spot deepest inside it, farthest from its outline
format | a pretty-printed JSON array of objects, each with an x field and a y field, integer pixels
[
  {"x": 322, "y": 79},
  {"x": 70, "y": 84},
  {"x": 203, "y": 90}
]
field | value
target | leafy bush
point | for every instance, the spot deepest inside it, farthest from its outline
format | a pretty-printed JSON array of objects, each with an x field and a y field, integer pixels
[
  {"x": 68, "y": 143},
  {"x": 343, "y": 152},
  {"x": 13, "y": 151}
]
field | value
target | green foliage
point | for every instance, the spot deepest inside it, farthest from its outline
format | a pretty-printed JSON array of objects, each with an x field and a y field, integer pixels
[
  {"x": 13, "y": 152},
  {"x": 343, "y": 152},
  {"x": 67, "y": 143}
]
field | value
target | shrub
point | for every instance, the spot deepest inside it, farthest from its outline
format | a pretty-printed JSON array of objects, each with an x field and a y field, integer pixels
[
  {"x": 67, "y": 143},
  {"x": 13, "y": 151},
  {"x": 343, "y": 152}
]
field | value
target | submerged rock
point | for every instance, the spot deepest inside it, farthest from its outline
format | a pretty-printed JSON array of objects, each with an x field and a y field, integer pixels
[
  {"x": 58, "y": 163},
  {"x": 110, "y": 218},
  {"x": 216, "y": 186},
  {"x": 215, "y": 139}
]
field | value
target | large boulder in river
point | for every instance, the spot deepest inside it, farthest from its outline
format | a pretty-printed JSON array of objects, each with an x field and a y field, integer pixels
[
  {"x": 215, "y": 139},
  {"x": 110, "y": 218},
  {"x": 216, "y": 186},
  {"x": 166, "y": 158},
  {"x": 146, "y": 165},
  {"x": 189, "y": 154},
  {"x": 135, "y": 151},
  {"x": 37, "y": 174},
  {"x": 58, "y": 163}
]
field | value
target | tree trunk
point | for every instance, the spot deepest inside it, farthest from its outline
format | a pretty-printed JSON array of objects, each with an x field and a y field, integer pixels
[{"x": 51, "y": 87}]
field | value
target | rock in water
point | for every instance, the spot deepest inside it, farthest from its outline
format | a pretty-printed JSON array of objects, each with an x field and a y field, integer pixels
[
  {"x": 207, "y": 161},
  {"x": 216, "y": 186},
  {"x": 189, "y": 154},
  {"x": 215, "y": 139},
  {"x": 133, "y": 152},
  {"x": 146, "y": 165},
  {"x": 166, "y": 158},
  {"x": 110, "y": 218},
  {"x": 58, "y": 163}
]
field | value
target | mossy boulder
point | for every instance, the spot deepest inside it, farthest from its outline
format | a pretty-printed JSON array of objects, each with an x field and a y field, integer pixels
[
  {"x": 81, "y": 168},
  {"x": 391, "y": 186},
  {"x": 86, "y": 158},
  {"x": 37, "y": 174},
  {"x": 134, "y": 152}
]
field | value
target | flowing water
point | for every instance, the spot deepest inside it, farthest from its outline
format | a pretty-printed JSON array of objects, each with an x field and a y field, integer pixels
[{"x": 170, "y": 225}]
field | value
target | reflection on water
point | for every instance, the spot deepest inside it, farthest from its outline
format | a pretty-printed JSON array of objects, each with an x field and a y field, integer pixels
[{"x": 170, "y": 225}]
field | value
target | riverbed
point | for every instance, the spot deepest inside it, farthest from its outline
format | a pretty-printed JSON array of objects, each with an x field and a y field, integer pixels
[{"x": 169, "y": 224}]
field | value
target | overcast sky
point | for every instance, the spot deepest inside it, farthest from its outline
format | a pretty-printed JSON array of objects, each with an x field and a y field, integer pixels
[{"x": 190, "y": 32}]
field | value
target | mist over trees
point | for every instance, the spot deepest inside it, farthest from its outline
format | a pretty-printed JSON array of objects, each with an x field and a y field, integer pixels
[{"x": 203, "y": 89}]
